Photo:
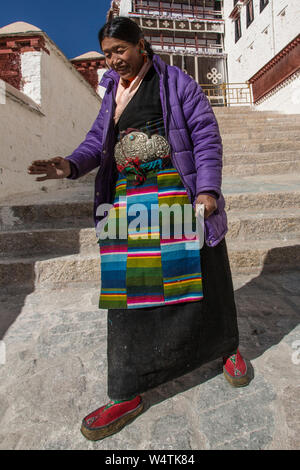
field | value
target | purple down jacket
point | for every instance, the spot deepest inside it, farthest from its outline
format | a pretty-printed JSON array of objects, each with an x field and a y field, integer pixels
[{"x": 192, "y": 132}]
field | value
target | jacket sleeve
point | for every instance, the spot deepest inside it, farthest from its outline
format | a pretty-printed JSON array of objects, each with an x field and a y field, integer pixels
[
  {"x": 205, "y": 135},
  {"x": 87, "y": 155}
]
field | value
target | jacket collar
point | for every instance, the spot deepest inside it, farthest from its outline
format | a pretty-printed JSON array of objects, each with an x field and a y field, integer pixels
[{"x": 111, "y": 76}]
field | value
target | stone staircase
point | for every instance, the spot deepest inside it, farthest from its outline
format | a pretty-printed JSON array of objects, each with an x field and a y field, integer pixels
[{"x": 48, "y": 239}]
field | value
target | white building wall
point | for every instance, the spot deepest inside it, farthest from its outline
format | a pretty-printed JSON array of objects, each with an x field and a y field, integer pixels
[
  {"x": 285, "y": 98},
  {"x": 101, "y": 90},
  {"x": 53, "y": 125},
  {"x": 270, "y": 31},
  {"x": 31, "y": 75},
  {"x": 125, "y": 7}
]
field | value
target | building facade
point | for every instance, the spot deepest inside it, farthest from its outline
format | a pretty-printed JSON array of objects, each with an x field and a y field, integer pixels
[
  {"x": 239, "y": 51},
  {"x": 262, "y": 42},
  {"x": 188, "y": 34}
]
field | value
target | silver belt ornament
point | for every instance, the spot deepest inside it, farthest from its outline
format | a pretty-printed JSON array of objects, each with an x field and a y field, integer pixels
[{"x": 138, "y": 144}]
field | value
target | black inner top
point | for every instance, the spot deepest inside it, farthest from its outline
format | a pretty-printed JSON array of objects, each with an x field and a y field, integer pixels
[{"x": 145, "y": 105}]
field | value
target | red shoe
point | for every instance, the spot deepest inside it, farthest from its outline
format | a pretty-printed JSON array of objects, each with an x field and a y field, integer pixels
[
  {"x": 110, "y": 418},
  {"x": 235, "y": 370}
]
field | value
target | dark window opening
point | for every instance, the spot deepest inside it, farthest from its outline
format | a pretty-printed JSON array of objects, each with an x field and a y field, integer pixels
[
  {"x": 249, "y": 13},
  {"x": 238, "y": 31},
  {"x": 263, "y": 4}
]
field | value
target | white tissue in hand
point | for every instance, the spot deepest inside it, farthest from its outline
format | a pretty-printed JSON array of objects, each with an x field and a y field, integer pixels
[{"x": 200, "y": 208}]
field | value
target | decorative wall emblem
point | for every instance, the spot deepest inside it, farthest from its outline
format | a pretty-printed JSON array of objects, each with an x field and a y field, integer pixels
[
  {"x": 197, "y": 25},
  {"x": 181, "y": 25},
  {"x": 214, "y": 76},
  {"x": 149, "y": 23},
  {"x": 166, "y": 24}
]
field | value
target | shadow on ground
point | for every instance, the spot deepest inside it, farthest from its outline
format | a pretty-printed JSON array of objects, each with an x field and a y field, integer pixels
[{"x": 268, "y": 310}]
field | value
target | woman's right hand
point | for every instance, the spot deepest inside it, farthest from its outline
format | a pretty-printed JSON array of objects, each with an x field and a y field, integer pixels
[{"x": 55, "y": 168}]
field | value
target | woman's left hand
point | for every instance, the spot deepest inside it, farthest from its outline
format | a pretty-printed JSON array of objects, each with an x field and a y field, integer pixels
[{"x": 209, "y": 202}]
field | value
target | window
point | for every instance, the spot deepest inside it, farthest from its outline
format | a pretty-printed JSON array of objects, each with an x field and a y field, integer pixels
[
  {"x": 249, "y": 12},
  {"x": 238, "y": 31},
  {"x": 263, "y": 4}
]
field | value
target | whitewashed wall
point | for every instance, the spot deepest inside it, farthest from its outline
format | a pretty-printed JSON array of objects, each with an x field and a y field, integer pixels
[
  {"x": 125, "y": 7},
  {"x": 260, "y": 41},
  {"x": 270, "y": 31},
  {"x": 54, "y": 122},
  {"x": 285, "y": 98}
]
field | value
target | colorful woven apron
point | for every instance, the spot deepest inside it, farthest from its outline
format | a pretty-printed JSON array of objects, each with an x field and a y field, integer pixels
[{"x": 149, "y": 259}]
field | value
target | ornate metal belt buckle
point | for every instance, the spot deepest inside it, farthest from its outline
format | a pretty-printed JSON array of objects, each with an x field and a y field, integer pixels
[{"x": 138, "y": 144}]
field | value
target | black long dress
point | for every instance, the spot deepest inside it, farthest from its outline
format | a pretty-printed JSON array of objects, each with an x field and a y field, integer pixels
[{"x": 149, "y": 346}]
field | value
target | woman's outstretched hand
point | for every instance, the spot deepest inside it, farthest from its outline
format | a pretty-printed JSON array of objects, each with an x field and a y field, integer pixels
[
  {"x": 209, "y": 202},
  {"x": 55, "y": 168}
]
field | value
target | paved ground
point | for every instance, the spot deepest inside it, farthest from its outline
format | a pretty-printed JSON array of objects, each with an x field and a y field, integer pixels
[{"x": 55, "y": 373}]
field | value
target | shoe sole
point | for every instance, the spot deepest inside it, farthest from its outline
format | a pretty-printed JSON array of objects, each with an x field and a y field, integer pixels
[
  {"x": 236, "y": 381},
  {"x": 112, "y": 428}
]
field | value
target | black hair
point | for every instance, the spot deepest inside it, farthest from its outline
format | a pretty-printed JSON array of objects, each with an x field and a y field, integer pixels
[{"x": 125, "y": 29}]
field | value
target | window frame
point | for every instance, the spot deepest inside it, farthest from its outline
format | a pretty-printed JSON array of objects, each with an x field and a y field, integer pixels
[
  {"x": 262, "y": 5},
  {"x": 248, "y": 20},
  {"x": 237, "y": 20}
]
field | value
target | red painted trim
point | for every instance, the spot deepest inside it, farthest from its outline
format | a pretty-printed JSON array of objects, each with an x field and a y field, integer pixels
[
  {"x": 277, "y": 70},
  {"x": 237, "y": 8},
  {"x": 10, "y": 68},
  {"x": 198, "y": 20},
  {"x": 181, "y": 9},
  {"x": 17, "y": 43},
  {"x": 88, "y": 69},
  {"x": 11, "y": 48}
]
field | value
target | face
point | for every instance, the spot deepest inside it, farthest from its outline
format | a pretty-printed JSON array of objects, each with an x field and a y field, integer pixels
[{"x": 125, "y": 58}]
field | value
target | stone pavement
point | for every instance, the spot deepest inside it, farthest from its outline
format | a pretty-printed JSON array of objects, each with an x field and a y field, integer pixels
[{"x": 55, "y": 374}]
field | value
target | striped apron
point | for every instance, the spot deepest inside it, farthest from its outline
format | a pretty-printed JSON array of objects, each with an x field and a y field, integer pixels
[{"x": 150, "y": 254}]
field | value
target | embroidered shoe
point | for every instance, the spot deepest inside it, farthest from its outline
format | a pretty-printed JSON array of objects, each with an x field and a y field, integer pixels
[
  {"x": 111, "y": 418},
  {"x": 235, "y": 370}
]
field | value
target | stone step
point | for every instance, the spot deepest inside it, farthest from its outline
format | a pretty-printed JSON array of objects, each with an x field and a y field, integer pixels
[
  {"x": 240, "y": 120},
  {"x": 254, "y": 224},
  {"x": 257, "y": 124},
  {"x": 249, "y": 109},
  {"x": 241, "y": 108},
  {"x": 239, "y": 154},
  {"x": 234, "y": 158},
  {"x": 269, "y": 255},
  {"x": 282, "y": 190},
  {"x": 261, "y": 168},
  {"x": 233, "y": 155},
  {"x": 263, "y": 201},
  {"x": 49, "y": 270},
  {"x": 62, "y": 270},
  {"x": 247, "y": 163},
  {"x": 61, "y": 241},
  {"x": 257, "y": 224},
  {"x": 227, "y": 128},
  {"x": 262, "y": 135},
  {"x": 40, "y": 211},
  {"x": 67, "y": 207},
  {"x": 266, "y": 146}
]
